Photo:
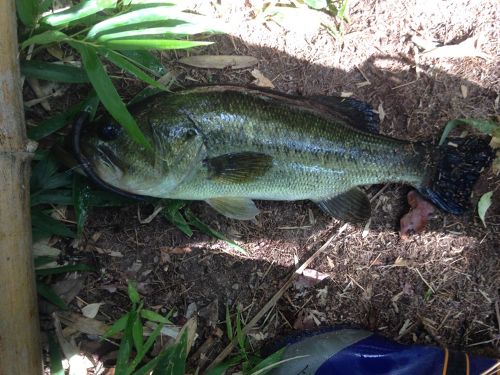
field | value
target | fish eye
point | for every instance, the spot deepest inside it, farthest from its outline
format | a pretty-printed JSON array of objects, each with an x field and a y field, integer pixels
[{"x": 109, "y": 131}]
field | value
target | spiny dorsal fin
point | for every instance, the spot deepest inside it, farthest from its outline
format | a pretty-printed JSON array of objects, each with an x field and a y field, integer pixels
[
  {"x": 355, "y": 112},
  {"x": 234, "y": 208},
  {"x": 352, "y": 206},
  {"x": 239, "y": 167}
]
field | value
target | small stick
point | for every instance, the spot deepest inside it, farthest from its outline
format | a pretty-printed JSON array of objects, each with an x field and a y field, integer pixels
[{"x": 228, "y": 349}]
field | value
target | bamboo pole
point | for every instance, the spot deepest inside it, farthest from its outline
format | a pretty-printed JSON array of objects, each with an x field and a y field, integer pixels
[{"x": 19, "y": 327}]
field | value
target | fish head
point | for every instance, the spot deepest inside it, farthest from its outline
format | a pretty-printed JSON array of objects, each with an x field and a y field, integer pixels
[{"x": 124, "y": 164}]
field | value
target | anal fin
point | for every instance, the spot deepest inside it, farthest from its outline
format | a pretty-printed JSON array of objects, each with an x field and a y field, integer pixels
[
  {"x": 352, "y": 206},
  {"x": 234, "y": 208}
]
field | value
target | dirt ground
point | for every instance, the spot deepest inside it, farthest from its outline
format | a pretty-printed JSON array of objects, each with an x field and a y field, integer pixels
[{"x": 440, "y": 287}]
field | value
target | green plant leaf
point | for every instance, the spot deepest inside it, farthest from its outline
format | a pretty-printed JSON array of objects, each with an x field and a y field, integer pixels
[
  {"x": 174, "y": 360},
  {"x": 27, "y": 11},
  {"x": 154, "y": 17},
  {"x": 239, "y": 334},
  {"x": 147, "y": 61},
  {"x": 53, "y": 124},
  {"x": 56, "y": 367},
  {"x": 182, "y": 29},
  {"x": 342, "y": 11},
  {"x": 267, "y": 362},
  {"x": 133, "y": 294},
  {"x": 148, "y": 44},
  {"x": 64, "y": 269},
  {"x": 53, "y": 72},
  {"x": 145, "y": 349},
  {"x": 46, "y": 226},
  {"x": 221, "y": 368},
  {"x": 46, "y": 292},
  {"x": 108, "y": 94},
  {"x": 137, "y": 333},
  {"x": 171, "y": 213},
  {"x": 81, "y": 198},
  {"x": 55, "y": 196},
  {"x": 43, "y": 260},
  {"x": 148, "y": 367},
  {"x": 483, "y": 205},
  {"x": 229, "y": 326},
  {"x": 125, "y": 346},
  {"x": 197, "y": 223},
  {"x": 154, "y": 316},
  {"x": 122, "y": 62},
  {"x": 81, "y": 10},
  {"x": 47, "y": 37},
  {"x": 117, "y": 326},
  {"x": 484, "y": 126}
]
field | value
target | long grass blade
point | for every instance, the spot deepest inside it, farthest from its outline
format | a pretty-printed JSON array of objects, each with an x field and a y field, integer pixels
[
  {"x": 27, "y": 11},
  {"x": 150, "y": 17},
  {"x": 149, "y": 44},
  {"x": 46, "y": 292},
  {"x": 47, "y": 37},
  {"x": 124, "y": 63},
  {"x": 53, "y": 124},
  {"x": 64, "y": 269},
  {"x": 107, "y": 93},
  {"x": 77, "y": 12},
  {"x": 56, "y": 367},
  {"x": 53, "y": 72}
]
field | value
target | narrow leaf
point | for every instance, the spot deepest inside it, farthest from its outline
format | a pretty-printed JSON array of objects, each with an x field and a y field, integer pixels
[
  {"x": 154, "y": 316},
  {"x": 46, "y": 292},
  {"x": 27, "y": 10},
  {"x": 133, "y": 294},
  {"x": 120, "y": 61},
  {"x": 137, "y": 333},
  {"x": 56, "y": 367},
  {"x": 483, "y": 205},
  {"x": 53, "y": 124},
  {"x": 117, "y": 326},
  {"x": 221, "y": 368},
  {"x": 152, "y": 16},
  {"x": 147, "y": 61},
  {"x": 180, "y": 30},
  {"x": 48, "y": 226},
  {"x": 47, "y": 37},
  {"x": 108, "y": 94},
  {"x": 268, "y": 361},
  {"x": 171, "y": 213},
  {"x": 125, "y": 346},
  {"x": 81, "y": 197},
  {"x": 84, "y": 9},
  {"x": 148, "y": 44},
  {"x": 194, "y": 221},
  {"x": 239, "y": 333},
  {"x": 53, "y": 72},
  {"x": 55, "y": 196},
  {"x": 484, "y": 126},
  {"x": 145, "y": 349}
]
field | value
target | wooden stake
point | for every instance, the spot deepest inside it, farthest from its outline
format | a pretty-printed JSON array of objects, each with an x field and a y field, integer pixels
[{"x": 19, "y": 327}]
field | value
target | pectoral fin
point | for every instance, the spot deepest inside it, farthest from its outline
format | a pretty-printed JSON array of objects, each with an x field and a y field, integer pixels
[
  {"x": 239, "y": 167},
  {"x": 235, "y": 208},
  {"x": 352, "y": 206}
]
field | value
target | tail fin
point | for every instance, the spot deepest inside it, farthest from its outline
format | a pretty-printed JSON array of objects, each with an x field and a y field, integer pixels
[{"x": 459, "y": 164}]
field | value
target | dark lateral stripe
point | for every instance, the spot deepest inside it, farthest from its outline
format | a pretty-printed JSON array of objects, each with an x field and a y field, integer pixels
[{"x": 457, "y": 364}]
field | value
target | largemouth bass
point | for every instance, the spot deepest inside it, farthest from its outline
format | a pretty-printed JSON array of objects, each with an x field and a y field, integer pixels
[{"x": 228, "y": 145}]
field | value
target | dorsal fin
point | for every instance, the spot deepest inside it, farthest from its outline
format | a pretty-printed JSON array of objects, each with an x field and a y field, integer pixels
[{"x": 355, "y": 112}]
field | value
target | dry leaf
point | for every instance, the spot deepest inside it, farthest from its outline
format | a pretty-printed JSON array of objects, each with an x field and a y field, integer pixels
[
  {"x": 219, "y": 61},
  {"x": 308, "y": 279},
  {"x": 42, "y": 249},
  {"x": 91, "y": 310},
  {"x": 464, "y": 90},
  {"x": 415, "y": 220},
  {"x": 381, "y": 112},
  {"x": 346, "y": 94},
  {"x": 261, "y": 80},
  {"x": 467, "y": 48}
]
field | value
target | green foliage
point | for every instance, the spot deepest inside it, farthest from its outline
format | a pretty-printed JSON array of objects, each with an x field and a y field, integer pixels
[
  {"x": 483, "y": 205},
  {"x": 250, "y": 364},
  {"x": 101, "y": 28},
  {"x": 133, "y": 348}
]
